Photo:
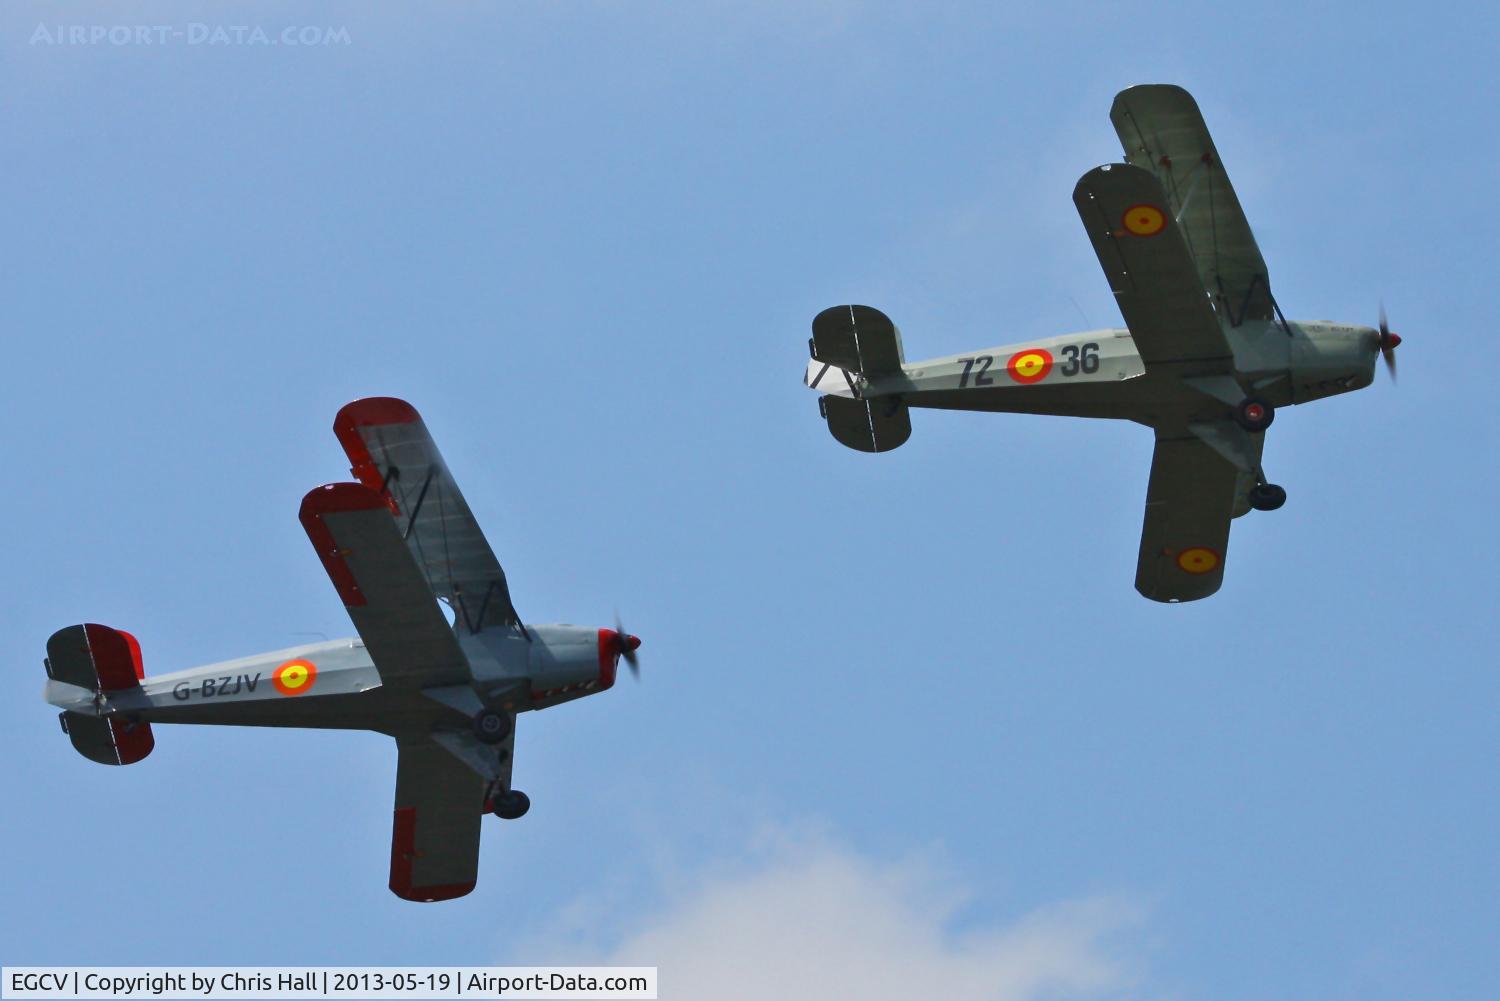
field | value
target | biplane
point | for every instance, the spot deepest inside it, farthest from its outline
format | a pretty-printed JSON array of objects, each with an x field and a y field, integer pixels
[
  {"x": 396, "y": 544},
  {"x": 1204, "y": 360}
]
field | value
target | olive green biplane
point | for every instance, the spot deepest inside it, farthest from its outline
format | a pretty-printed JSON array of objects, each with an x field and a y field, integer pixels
[{"x": 1205, "y": 358}]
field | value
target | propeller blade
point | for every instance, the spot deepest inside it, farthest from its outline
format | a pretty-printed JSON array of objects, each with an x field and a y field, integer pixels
[
  {"x": 1388, "y": 343},
  {"x": 628, "y": 645}
]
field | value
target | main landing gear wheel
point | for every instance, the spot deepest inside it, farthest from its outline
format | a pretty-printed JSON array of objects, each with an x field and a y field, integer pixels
[
  {"x": 1267, "y": 496},
  {"x": 511, "y": 805},
  {"x": 491, "y": 727},
  {"x": 1254, "y": 414}
]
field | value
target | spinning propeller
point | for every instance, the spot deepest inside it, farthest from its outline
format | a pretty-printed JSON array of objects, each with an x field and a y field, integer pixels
[
  {"x": 625, "y": 646},
  {"x": 1388, "y": 343}
]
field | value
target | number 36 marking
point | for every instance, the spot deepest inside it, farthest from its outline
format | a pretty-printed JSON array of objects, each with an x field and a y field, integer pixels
[{"x": 1085, "y": 360}]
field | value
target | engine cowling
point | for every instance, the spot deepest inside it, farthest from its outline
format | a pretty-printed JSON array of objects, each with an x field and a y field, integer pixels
[{"x": 569, "y": 662}]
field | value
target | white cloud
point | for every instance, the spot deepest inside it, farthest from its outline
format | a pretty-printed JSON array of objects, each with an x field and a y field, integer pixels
[{"x": 813, "y": 920}]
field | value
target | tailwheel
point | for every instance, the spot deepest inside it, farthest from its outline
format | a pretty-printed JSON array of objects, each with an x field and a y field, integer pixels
[
  {"x": 1267, "y": 496},
  {"x": 511, "y": 805},
  {"x": 491, "y": 727},
  {"x": 1254, "y": 414}
]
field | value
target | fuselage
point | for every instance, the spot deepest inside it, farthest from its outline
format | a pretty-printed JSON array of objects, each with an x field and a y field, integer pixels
[
  {"x": 1099, "y": 373},
  {"x": 336, "y": 684}
]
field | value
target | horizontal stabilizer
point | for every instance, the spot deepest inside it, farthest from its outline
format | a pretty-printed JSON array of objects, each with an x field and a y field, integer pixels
[
  {"x": 877, "y": 425},
  {"x": 109, "y": 740},
  {"x": 859, "y": 338}
]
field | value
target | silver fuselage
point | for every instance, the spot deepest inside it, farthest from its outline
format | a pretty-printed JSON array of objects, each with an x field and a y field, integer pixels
[
  {"x": 1099, "y": 373},
  {"x": 509, "y": 672}
]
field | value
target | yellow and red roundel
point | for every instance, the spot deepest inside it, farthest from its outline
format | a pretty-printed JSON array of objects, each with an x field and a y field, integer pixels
[
  {"x": 294, "y": 677},
  {"x": 1198, "y": 560},
  {"x": 1031, "y": 365},
  {"x": 1144, "y": 220}
]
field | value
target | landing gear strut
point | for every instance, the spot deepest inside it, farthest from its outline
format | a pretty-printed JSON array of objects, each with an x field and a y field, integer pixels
[
  {"x": 491, "y": 727},
  {"x": 511, "y": 805},
  {"x": 1254, "y": 414}
]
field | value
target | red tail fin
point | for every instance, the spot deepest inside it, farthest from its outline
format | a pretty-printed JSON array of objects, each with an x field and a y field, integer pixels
[
  {"x": 103, "y": 660},
  {"x": 109, "y": 740}
]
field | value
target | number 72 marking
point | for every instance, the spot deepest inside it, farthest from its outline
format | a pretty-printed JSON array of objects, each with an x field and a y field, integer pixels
[{"x": 980, "y": 379}]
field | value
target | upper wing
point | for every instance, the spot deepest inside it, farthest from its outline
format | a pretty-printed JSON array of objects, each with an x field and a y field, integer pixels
[
  {"x": 383, "y": 589},
  {"x": 440, "y": 803},
  {"x": 1189, "y": 503},
  {"x": 1162, "y": 131},
  {"x": 391, "y": 452},
  {"x": 1150, "y": 269}
]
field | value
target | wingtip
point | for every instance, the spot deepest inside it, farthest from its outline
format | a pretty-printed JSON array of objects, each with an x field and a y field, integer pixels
[
  {"x": 1177, "y": 91},
  {"x": 403, "y": 852},
  {"x": 373, "y": 411},
  {"x": 337, "y": 497},
  {"x": 432, "y": 894},
  {"x": 330, "y": 499}
]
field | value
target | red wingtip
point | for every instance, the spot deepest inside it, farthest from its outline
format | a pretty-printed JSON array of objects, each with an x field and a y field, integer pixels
[
  {"x": 336, "y": 498},
  {"x": 372, "y": 411},
  {"x": 333, "y": 498},
  {"x": 432, "y": 894},
  {"x": 403, "y": 851}
]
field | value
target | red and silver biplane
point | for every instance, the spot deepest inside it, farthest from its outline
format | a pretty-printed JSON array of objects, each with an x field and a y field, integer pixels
[{"x": 395, "y": 544}]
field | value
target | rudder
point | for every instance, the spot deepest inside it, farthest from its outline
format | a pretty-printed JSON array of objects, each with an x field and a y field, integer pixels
[
  {"x": 109, "y": 740},
  {"x": 103, "y": 660},
  {"x": 859, "y": 338},
  {"x": 861, "y": 343},
  {"x": 877, "y": 425}
]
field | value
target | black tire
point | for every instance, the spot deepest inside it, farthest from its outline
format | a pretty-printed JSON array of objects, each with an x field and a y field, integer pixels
[
  {"x": 1267, "y": 496},
  {"x": 491, "y": 727},
  {"x": 1254, "y": 414},
  {"x": 511, "y": 805}
]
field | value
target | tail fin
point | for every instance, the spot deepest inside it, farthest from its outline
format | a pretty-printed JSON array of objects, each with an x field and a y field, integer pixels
[
  {"x": 860, "y": 340},
  {"x": 877, "y": 425},
  {"x": 102, "y": 660}
]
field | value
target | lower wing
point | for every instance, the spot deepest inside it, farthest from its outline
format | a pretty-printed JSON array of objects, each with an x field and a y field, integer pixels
[
  {"x": 1189, "y": 503},
  {"x": 440, "y": 804}
]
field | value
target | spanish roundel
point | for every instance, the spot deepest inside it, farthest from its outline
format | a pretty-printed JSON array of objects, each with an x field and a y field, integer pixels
[
  {"x": 294, "y": 677},
  {"x": 1030, "y": 365},
  {"x": 1144, "y": 220},
  {"x": 1198, "y": 559}
]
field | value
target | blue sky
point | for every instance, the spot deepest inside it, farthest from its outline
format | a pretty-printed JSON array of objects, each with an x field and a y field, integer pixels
[{"x": 901, "y": 714}]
